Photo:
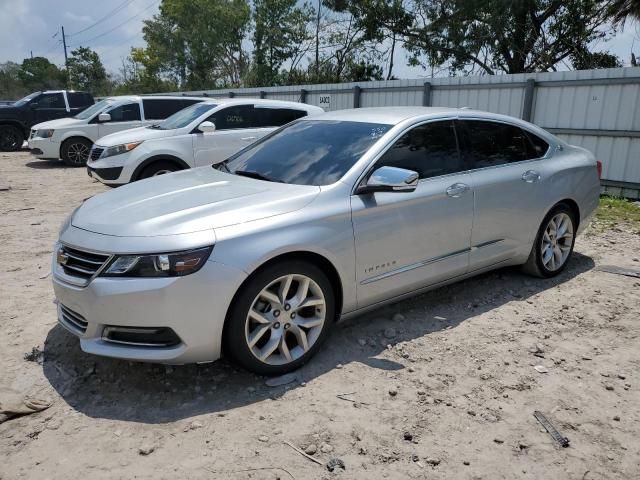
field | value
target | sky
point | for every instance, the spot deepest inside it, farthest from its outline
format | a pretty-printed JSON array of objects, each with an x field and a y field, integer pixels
[{"x": 112, "y": 27}]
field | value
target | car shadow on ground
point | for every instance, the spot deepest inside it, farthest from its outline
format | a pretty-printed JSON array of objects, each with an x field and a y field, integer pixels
[
  {"x": 46, "y": 164},
  {"x": 130, "y": 391}
]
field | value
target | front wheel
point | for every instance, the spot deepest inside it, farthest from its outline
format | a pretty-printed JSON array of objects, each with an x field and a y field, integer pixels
[
  {"x": 160, "y": 167},
  {"x": 554, "y": 243},
  {"x": 75, "y": 152},
  {"x": 280, "y": 318},
  {"x": 11, "y": 138}
]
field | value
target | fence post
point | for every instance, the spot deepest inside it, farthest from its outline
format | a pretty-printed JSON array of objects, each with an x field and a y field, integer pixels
[
  {"x": 263, "y": 94},
  {"x": 529, "y": 94},
  {"x": 356, "y": 96},
  {"x": 303, "y": 95},
  {"x": 426, "y": 95},
  {"x": 231, "y": 94}
]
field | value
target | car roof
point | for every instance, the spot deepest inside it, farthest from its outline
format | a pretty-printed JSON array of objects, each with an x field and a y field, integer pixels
[
  {"x": 260, "y": 101},
  {"x": 135, "y": 98},
  {"x": 386, "y": 115}
]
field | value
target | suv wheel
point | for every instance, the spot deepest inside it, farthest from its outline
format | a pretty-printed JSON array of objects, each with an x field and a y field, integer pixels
[
  {"x": 75, "y": 152},
  {"x": 11, "y": 138},
  {"x": 554, "y": 243},
  {"x": 280, "y": 318},
  {"x": 160, "y": 167}
]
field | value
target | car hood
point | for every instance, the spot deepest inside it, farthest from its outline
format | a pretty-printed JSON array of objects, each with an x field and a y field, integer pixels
[
  {"x": 188, "y": 201},
  {"x": 8, "y": 111},
  {"x": 133, "y": 135},
  {"x": 58, "y": 123}
]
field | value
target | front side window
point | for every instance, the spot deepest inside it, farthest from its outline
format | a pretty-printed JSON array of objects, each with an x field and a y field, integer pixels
[
  {"x": 125, "y": 113},
  {"x": 489, "y": 144},
  {"x": 231, "y": 118},
  {"x": 27, "y": 99},
  {"x": 430, "y": 150},
  {"x": 307, "y": 152},
  {"x": 51, "y": 100}
]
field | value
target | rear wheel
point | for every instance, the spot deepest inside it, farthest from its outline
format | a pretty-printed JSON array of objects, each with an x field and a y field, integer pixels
[
  {"x": 554, "y": 243},
  {"x": 280, "y": 318},
  {"x": 11, "y": 138},
  {"x": 161, "y": 167},
  {"x": 75, "y": 152}
]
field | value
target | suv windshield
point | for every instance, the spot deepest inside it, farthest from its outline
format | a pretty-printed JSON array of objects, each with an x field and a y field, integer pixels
[
  {"x": 185, "y": 116},
  {"x": 307, "y": 152},
  {"x": 25, "y": 100},
  {"x": 95, "y": 108}
]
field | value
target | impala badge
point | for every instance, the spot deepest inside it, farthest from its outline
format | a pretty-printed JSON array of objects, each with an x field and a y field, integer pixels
[{"x": 61, "y": 257}]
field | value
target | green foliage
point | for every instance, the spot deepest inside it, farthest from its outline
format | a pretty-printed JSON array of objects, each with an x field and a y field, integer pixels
[
  {"x": 585, "y": 60},
  {"x": 86, "y": 72},
  {"x": 38, "y": 73},
  {"x": 11, "y": 86},
  {"x": 615, "y": 211}
]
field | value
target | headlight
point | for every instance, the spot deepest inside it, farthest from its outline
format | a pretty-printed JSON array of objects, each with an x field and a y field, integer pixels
[
  {"x": 118, "y": 149},
  {"x": 177, "y": 264},
  {"x": 44, "y": 133}
]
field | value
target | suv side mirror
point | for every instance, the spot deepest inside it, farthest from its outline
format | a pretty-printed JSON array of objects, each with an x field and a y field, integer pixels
[
  {"x": 104, "y": 117},
  {"x": 207, "y": 127},
  {"x": 33, "y": 105},
  {"x": 390, "y": 179}
]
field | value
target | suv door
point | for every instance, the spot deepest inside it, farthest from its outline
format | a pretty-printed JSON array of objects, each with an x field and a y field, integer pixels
[
  {"x": 78, "y": 101},
  {"x": 123, "y": 117},
  {"x": 507, "y": 170},
  {"x": 405, "y": 241},
  {"x": 48, "y": 106},
  {"x": 234, "y": 131}
]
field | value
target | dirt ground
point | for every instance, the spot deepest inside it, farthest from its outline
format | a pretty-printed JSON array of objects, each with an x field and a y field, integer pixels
[{"x": 440, "y": 386}]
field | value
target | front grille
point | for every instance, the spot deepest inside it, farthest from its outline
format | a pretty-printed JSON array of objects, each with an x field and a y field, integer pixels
[
  {"x": 80, "y": 263},
  {"x": 96, "y": 152},
  {"x": 72, "y": 320}
]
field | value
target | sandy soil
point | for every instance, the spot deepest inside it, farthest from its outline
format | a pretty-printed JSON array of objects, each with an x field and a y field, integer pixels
[{"x": 440, "y": 386}]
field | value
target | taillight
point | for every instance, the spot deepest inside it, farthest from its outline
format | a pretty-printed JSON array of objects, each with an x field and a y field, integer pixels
[{"x": 599, "y": 166}]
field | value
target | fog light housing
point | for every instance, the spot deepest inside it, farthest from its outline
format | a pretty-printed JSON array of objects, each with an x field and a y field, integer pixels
[{"x": 141, "y": 336}]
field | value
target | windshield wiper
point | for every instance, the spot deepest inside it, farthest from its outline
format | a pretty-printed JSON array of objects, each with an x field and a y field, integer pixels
[
  {"x": 256, "y": 175},
  {"x": 155, "y": 126}
]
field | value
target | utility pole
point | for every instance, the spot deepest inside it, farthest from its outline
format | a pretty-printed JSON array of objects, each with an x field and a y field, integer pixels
[{"x": 64, "y": 44}]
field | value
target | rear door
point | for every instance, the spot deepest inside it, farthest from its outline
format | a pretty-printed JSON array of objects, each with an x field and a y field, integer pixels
[
  {"x": 78, "y": 101},
  {"x": 123, "y": 117},
  {"x": 507, "y": 170},
  {"x": 49, "y": 106},
  {"x": 234, "y": 131}
]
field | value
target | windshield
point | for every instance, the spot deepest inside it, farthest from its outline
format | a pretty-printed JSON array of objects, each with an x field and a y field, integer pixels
[
  {"x": 95, "y": 108},
  {"x": 308, "y": 152},
  {"x": 26, "y": 99},
  {"x": 185, "y": 116}
]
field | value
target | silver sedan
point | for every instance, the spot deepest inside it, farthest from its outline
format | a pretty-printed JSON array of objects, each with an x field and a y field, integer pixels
[{"x": 323, "y": 219}]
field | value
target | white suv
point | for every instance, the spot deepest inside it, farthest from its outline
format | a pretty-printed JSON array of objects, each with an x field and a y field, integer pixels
[
  {"x": 202, "y": 134},
  {"x": 70, "y": 139}
]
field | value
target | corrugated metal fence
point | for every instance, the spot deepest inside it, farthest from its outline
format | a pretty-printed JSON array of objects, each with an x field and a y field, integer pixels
[{"x": 597, "y": 109}]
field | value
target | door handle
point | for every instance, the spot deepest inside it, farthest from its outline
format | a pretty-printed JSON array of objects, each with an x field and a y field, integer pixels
[
  {"x": 457, "y": 189},
  {"x": 247, "y": 139},
  {"x": 530, "y": 176}
]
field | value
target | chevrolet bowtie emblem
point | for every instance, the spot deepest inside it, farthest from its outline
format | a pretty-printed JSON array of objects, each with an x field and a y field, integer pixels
[{"x": 61, "y": 257}]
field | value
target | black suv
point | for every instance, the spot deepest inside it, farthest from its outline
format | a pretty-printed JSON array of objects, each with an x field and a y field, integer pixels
[{"x": 17, "y": 118}]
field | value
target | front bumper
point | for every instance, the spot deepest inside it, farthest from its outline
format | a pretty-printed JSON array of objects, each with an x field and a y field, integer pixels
[
  {"x": 194, "y": 307},
  {"x": 104, "y": 175},
  {"x": 115, "y": 170},
  {"x": 44, "y": 148}
]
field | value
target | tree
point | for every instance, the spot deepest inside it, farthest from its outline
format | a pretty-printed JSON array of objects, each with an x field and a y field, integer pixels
[
  {"x": 621, "y": 10},
  {"x": 488, "y": 36},
  {"x": 11, "y": 87},
  {"x": 198, "y": 43},
  {"x": 86, "y": 72},
  {"x": 280, "y": 29},
  {"x": 38, "y": 73},
  {"x": 589, "y": 60},
  {"x": 139, "y": 74}
]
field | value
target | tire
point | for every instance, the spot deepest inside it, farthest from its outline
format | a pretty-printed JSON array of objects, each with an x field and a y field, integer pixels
[
  {"x": 11, "y": 138},
  {"x": 561, "y": 248},
  {"x": 75, "y": 152},
  {"x": 159, "y": 167},
  {"x": 272, "y": 320}
]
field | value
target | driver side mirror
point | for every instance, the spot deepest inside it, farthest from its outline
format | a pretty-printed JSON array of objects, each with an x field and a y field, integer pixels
[
  {"x": 207, "y": 127},
  {"x": 104, "y": 117},
  {"x": 390, "y": 179},
  {"x": 33, "y": 105}
]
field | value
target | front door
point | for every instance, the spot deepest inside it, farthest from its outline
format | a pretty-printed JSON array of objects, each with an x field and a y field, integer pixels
[
  {"x": 49, "y": 107},
  {"x": 405, "y": 241},
  {"x": 509, "y": 173}
]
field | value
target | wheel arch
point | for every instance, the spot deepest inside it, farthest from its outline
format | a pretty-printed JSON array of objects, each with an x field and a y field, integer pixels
[
  {"x": 16, "y": 124},
  {"x": 73, "y": 137},
  {"x": 573, "y": 206},
  {"x": 157, "y": 158}
]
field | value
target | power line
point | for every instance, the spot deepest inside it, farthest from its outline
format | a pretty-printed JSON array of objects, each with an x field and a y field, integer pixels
[
  {"x": 102, "y": 19},
  {"x": 117, "y": 26}
]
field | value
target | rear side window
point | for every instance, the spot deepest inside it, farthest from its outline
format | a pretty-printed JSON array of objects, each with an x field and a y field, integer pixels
[
  {"x": 230, "y": 118},
  {"x": 538, "y": 145},
  {"x": 490, "y": 144},
  {"x": 276, "y": 117},
  {"x": 78, "y": 100},
  {"x": 51, "y": 100},
  {"x": 125, "y": 113},
  {"x": 430, "y": 149},
  {"x": 161, "y": 108}
]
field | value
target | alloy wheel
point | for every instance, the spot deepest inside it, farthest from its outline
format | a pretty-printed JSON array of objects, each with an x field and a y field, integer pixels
[
  {"x": 285, "y": 319},
  {"x": 161, "y": 172},
  {"x": 78, "y": 153},
  {"x": 9, "y": 140},
  {"x": 557, "y": 241}
]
